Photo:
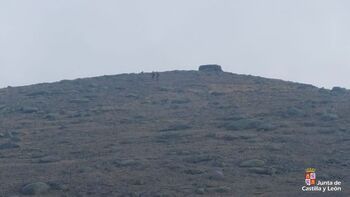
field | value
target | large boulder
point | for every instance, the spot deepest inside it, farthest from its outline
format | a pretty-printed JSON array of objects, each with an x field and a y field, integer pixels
[
  {"x": 210, "y": 68},
  {"x": 35, "y": 188},
  {"x": 338, "y": 90}
]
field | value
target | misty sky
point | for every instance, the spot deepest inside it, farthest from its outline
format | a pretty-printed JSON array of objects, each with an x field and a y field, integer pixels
[{"x": 299, "y": 40}]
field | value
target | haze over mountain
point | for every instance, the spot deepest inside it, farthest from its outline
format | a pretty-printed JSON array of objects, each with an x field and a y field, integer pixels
[
  {"x": 188, "y": 133},
  {"x": 296, "y": 40}
]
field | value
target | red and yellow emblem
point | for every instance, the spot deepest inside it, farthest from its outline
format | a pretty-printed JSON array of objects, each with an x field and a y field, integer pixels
[{"x": 310, "y": 176}]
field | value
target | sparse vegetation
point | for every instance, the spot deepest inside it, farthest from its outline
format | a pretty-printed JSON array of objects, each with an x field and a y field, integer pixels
[{"x": 207, "y": 133}]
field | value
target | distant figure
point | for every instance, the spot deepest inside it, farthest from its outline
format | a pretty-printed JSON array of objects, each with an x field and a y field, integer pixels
[{"x": 153, "y": 75}]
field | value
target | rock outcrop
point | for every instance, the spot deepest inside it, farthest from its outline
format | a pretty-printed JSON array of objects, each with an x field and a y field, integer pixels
[{"x": 210, "y": 68}]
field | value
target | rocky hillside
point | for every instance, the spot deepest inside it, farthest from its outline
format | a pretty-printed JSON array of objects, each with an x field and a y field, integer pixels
[{"x": 188, "y": 133}]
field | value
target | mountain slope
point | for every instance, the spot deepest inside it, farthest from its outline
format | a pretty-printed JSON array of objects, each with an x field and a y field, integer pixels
[{"x": 188, "y": 133}]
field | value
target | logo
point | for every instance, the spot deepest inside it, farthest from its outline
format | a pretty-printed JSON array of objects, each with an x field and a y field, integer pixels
[
  {"x": 310, "y": 176},
  {"x": 321, "y": 185}
]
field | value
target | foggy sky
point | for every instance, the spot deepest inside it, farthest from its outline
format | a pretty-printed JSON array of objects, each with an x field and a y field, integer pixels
[{"x": 299, "y": 40}]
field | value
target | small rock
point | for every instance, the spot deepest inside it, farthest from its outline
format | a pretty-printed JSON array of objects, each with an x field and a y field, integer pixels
[
  {"x": 177, "y": 127},
  {"x": 180, "y": 101},
  {"x": 2, "y": 107},
  {"x": 218, "y": 163},
  {"x": 15, "y": 139},
  {"x": 200, "y": 191},
  {"x": 49, "y": 159},
  {"x": 252, "y": 163},
  {"x": 293, "y": 112},
  {"x": 58, "y": 186},
  {"x": 85, "y": 169},
  {"x": 80, "y": 100},
  {"x": 126, "y": 163},
  {"x": 338, "y": 90},
  {"x": 37, "y": 93},
  {"x": 8, "y": 145},
  {"x": 246, "y": 136},
  {"x": 35, "y": 188},
  {"x": 50, "y": 117},
  {"x": 222, "y": 189},
  {"x": 216, "y": 175},
  {"x": 137, "y": 182},
  {"x": 264, "y": 171},
  {"x": 9, "y": 134},
  {"x": 200, "y": 158},
  {"x": 274, "y": 147},
  {"x": 193, "y": 171},
  {"x": 329, "y": 116},
  {"x": 29, "y": 110},
  {"x": 214, "y": 93}
]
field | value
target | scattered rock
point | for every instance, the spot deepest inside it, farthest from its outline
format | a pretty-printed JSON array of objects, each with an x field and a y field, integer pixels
[
  {"x": 35, "y": 188},
  {"x": 324, "y": 91},
  {"x": 215, "y": 93},
  {"x": 228, "y": 137},
  {"x": 216, "y": 175},
  {"x": 240, "y": 124},
  {"x": 266, "y": 126},
  {"x": 247, "y": 136},
  {"x": 38, "y": 93},
  {"x": 200, "y": 191},
  {"x": 80, "y": 100},
  {"x": 329, "y": 116},
  {"x": 137, "y": 182},
  {"x": 274, "y": 147},
  {"x": 309, "y": 124},
  {"x": 261, "y": 170},
  {"x": 29, "y": 110},
  {"x": 50, "y": 117},
  {"x": 10, "y": 134},
  {"x": 248, "y": 123},
  {"x": 170, "y": 137},
  {"x": 177, "y": 127},
  {"x": 57, "y": 186},
  {"x": 193, "y": 171},
  {"x": 15, "y": 139},
  {"x": 200, "y": 158},
  {"x": 252, "y": 163},
  {"x": 85, "y": 169},
  {"x": 134, "y": 96},
  {"x": 222, "y": 189},
  {"x": 291, "y": 112},
  {"x": 338, "y": 90},
  {"x": 49, "y": 159},
  {"x": 9, "y": 145},
  {"x": 126, "y": 163},
  {"x": 2, "y": 107},
  {"x": 326, "y": 131},
  {"x": 181, "y": 152},
  {"x": 163, "y": 89},
  {"x": 180, "y": 101}
]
